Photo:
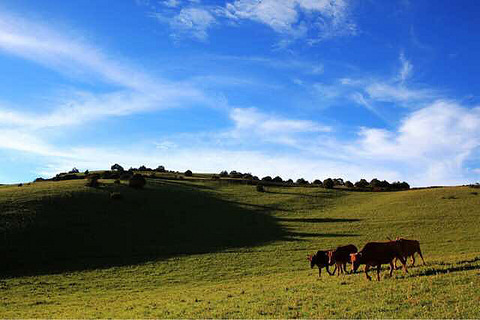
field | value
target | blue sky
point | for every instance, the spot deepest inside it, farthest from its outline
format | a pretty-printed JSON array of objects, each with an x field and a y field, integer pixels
[{"x": 296, "y": 88}]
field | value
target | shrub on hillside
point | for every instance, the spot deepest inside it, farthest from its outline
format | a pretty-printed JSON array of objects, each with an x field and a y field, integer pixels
[
  {"x": 223, "y": 174},
  {"x": 74, "y": 170},
  {"x": 188, "y": 173},
  {"x": 86, "y": 172},
  {"x": 267, "y": 179},
  {"x": 289, "y": 181},
  {"x": 39, "y": 179},
  {"x": 92, "y": 180},
  {"x": 338, "y": 182},
  {"x": 277, "y": 179},
  {"x": 302, "y": 181},
  {"x": 137, "y": 181},
  {"x": 235, "y": 174},
  {"x": 126, "y": 176},
  {"x": 160, "y": 169},
  {"x": 110, "y": 175},
  {"x": 349, "y": 184},
  {"x": 215, "y": 177},
  {"x": 362, "y": 183},
  {"x": 117, "y": 167},
  {"x": 117, "y": 181},
  {"x": 317, "y": 182},
  {"x": 260, "y": 188},
  {"x": 328, "y": 183},
  {"x": 116, "y": 196}
]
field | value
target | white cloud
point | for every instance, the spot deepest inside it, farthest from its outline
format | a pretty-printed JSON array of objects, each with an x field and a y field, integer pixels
[
  {"x": 252, "y": 120},
  {"x": 323, "y": 18},
  {"x": 193, "y": 21},
  {"x": 406, "y": 68},
  {"x": 433, "y": 142}
]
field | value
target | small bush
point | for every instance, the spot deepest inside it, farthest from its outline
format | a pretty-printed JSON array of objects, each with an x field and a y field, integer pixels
[
  {"x": 160, "y": 169},
  {"x": 117, "y": 167},
  {"x": 39, "y": 180},
  {"x": 188, "y": 173},
  {"x": 117, "y": 181},
  {"x": 126, "y": 176},
  {"x": 267, "y": 179},
  {"x": 328, "y": 183},
  {"x": 302, "y": 181},
  {"x": 74, "y": 170},
  {"x": 137, "y": 181},
  {"x": 92, "y": 181},
  {"x": 116, "y": 196},
  {"x": 277, "y": 179},
  {"x": 224, "y": 174},
  {"x": 260, "y": 188},
  {"x": 215, "y": 177}
]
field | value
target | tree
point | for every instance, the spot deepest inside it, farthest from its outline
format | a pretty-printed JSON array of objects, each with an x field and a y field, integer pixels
[
  {"x": 74, "y": 170},
  {"x": 349, "y": 185},
  {"x": 267, "y": 179},
  {"x": 317, "y": 182},
  {"x": 338, "y": 182},
  {"x": 224, "y": 173},
  {"x": 160, "y": 169},
  {"x": 117, "y": 167},
  {"x": 361, "y": 184},
  {"x": 302, "y": 181},
  {"x": 277, "y": 179},
  {"x": 328, "y": 183},
  {"x": 188, "y": 173}
]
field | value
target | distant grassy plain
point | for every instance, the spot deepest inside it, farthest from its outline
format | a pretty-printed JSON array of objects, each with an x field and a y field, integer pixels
[{"x": 207, "y": 249}]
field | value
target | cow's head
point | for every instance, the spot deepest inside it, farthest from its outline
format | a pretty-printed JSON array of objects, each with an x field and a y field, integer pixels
[
  {"x": 355, "y": 260},
  {"x": 312, "y": 259},
  {"x": 330, "y": 257}
]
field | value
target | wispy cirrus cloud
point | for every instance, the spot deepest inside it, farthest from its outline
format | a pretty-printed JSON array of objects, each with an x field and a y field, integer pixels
[{"x": 291, "y": 19}]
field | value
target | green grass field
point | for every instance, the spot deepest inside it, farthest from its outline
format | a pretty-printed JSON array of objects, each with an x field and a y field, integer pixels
[{"x": 210, "y": 249}]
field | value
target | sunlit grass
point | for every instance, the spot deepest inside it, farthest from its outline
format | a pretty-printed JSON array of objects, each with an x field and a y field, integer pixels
[{"x": 261, "y": 271}]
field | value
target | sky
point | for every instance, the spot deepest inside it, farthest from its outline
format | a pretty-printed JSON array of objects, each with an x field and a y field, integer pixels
[{"x": 297, "y": 88}]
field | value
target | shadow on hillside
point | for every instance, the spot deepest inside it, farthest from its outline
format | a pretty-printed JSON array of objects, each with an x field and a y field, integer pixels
[
  {"x": 88, "y": 230},
  {"x": 317, "y": 220}
]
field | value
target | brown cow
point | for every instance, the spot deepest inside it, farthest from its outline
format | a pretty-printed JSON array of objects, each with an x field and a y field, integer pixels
[
  {"x": 340, "y": 257},
  {"x": 320, "y": 259},
  {"x": 409, "y": 248},
  {"x": 375, "y": 254}
]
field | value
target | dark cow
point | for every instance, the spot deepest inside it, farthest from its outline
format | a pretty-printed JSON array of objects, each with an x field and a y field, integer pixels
[
  {"x": 340, "y": 257},
  {"x": 374, "y": 254},
  {"x": 320, "y": 259},
  {"x": 409, "y": 248}
]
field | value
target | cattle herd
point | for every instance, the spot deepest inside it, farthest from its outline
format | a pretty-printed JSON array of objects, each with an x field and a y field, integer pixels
[{"x": 373, "y": 254}]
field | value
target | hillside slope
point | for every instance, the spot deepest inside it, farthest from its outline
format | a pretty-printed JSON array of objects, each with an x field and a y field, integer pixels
[{"x": 213, "y": 249}]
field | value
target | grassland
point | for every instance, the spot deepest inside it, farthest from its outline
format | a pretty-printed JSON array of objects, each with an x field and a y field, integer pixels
[{"x": 208, "y": 249}]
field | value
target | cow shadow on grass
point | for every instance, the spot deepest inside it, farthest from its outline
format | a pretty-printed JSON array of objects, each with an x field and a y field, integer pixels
[{"x": 88, "y": 229}]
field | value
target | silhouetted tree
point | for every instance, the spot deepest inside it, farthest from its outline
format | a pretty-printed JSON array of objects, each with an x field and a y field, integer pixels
[
  {"x": 328, "y": 183},
  {"x": 117, "y": 167},
  {"x": 302, "y": 181},
  {"x": 349, "y": 185},
  {"x": 160, "y": 169},
  {"x": 188, "y": 173},
  {"x": 277, "y": 179},
  {"x": 267, "y": 179},
  {"x": 361, "y": 184}
]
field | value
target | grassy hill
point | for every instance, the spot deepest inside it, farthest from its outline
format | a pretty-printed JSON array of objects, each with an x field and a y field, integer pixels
[{"x": 201, "y": 248}]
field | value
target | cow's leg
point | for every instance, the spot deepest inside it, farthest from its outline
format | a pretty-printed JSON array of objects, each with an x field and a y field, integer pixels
[
  {"x": 391, "y": 268},
  {"x": 319, "y": 272},
  {"x": 366, "y": 272},
  {"x": 413, "y": 259},
  {"x": 395, "y": 263},
  {"x": 345, "y": 268},
  {"x": 378, "y": 272},
  {"x": 326, "y": 267},
  {"x": 338, "y": 266},
  {"x": 420, "y": 253},
  {"x": 404, "y": 263}
]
